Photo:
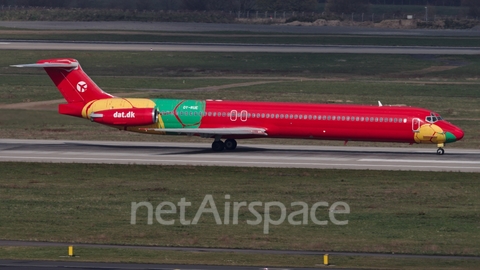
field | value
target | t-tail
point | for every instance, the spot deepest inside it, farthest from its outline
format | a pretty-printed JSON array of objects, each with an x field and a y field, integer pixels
[{"x": 72, "y": 82}]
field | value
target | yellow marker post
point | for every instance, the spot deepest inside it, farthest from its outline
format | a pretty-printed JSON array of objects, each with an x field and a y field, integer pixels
[
  {"x": 325, "y": 259},
  {"x": 70, "y": 251}
]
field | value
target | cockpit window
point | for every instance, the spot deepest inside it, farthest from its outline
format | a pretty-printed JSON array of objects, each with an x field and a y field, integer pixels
[{"x": 432, "y": 118}]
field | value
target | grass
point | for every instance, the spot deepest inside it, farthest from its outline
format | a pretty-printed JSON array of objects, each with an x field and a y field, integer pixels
[
  {"x": 29, "y": 88},
  {"x": 235, "y": 37},
  {"x": 174, "y": 257},
  {"x": 143, "y": 64},
  {"x": 453, "y": 101},
  {"x": 214, "y": 64},
  {"x": 401, "y": 212}
]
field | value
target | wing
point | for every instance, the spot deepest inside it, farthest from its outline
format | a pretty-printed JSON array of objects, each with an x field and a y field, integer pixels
[{"x": 214, "y": 131}]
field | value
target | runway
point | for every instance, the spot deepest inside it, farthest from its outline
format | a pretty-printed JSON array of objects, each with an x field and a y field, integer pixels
[
  {"x": 290, "y": 156},
  {"x": 23, "y": 264},
  {"x": 225, "y": 48}
]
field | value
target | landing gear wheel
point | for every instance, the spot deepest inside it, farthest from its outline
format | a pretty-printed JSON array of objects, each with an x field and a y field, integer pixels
[
  {"x": 218, "y": 146},
  {"x": 230, "y": 144},
  {"x": 440, "y": 151}
]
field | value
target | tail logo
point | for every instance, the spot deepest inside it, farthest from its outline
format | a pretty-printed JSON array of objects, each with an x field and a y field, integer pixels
[{"x": 81, "y": 86}]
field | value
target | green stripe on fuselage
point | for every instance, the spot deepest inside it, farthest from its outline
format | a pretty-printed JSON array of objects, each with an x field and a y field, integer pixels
[{"x": 178, "y": 113}]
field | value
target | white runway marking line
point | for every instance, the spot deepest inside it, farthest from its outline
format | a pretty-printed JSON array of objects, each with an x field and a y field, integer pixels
[
  {"x": 420, "y": 161},
  {"x": 232, "y": 157},
  {"x": 209, "y": 162}
]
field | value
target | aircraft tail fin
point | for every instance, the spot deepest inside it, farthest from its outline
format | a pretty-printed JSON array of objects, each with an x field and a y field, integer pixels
[{"x": 72, "y": 82}]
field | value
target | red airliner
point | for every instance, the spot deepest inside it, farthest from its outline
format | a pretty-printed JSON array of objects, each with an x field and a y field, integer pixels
[{"x": 231, "y": 120}]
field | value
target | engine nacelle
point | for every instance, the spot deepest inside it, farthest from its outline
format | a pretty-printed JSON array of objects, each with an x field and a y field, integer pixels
[{"x": 126, "y": 117}]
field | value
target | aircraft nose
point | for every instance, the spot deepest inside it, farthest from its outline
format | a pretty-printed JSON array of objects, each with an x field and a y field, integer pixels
[{"x": 454, "y": 135}]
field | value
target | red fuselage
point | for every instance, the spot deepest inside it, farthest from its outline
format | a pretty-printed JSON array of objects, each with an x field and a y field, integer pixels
[{"x": 323, "y": 121}]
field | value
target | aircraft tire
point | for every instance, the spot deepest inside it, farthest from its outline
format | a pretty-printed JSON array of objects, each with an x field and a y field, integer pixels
[
  {"x": 218, "y": 146},
  {"x": 440, "y": 151},
  {"x": 230, "y": 144}
]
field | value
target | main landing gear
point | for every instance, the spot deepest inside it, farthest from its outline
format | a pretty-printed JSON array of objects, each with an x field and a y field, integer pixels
[{"x": 229, "y": 144}]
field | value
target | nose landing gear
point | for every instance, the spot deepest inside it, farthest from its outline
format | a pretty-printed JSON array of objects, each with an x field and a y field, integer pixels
[{"x": 440, "y": 150}]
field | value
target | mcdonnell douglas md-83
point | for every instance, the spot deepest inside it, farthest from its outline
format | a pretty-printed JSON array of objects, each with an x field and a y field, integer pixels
[{"x": 225, "y": 121}]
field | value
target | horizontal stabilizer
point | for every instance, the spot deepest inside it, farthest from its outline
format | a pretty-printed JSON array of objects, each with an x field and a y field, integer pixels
[
  {"x": 215, "y": 131},
  {"x": 47, "y": 65}
]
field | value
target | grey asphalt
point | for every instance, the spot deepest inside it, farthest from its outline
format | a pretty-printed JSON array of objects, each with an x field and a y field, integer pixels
[
  {"x": 246, "y": 155},
  {"x": 212, "y": 27},
  {"x": 217, "y": 27},
  {"x": 214, "y": 47},
  {"x": 27, "y": 265},
  {"x": 320, "y": 254}
]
